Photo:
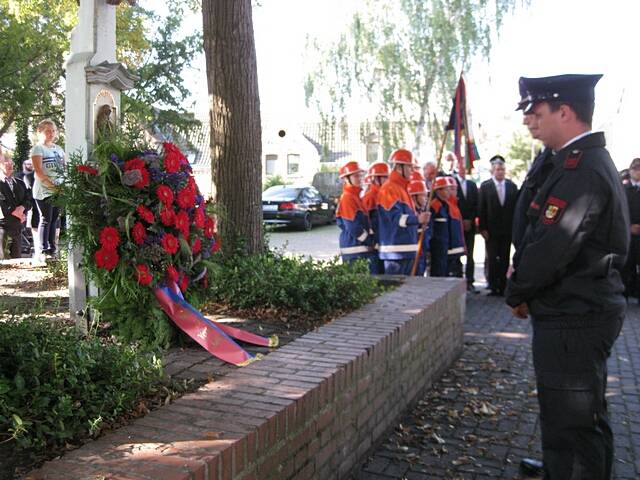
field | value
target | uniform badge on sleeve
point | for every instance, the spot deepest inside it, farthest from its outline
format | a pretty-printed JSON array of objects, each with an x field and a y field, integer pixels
[
  {"x": 573, "y": 159},
  {"x": 553, "y": 210}
]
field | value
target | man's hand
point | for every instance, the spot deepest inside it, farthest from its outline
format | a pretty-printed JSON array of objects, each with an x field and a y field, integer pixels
[
  {"x": 635, "y": 229},
  {"x": 423, "y": 218},
  {"x": 466, "y": 224},
  {"x": 510, "y": 270},
  {"x": 18, "y": 212},
  {"x": 521, "y": 311}
]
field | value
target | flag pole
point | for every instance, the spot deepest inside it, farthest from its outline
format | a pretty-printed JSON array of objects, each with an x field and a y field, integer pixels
[{"x": 429, "y": 199}]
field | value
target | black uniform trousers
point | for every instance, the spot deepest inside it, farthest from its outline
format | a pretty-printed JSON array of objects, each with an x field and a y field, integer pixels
[
  {"x": 630, "y": 274},
  {"x": 11, "y": 236},
  {"x": 498, "y": 249},
  {"x": 470, "y": 267},
  {"x": 570, "y": 359},
  {"x": 455, "y": 264}
]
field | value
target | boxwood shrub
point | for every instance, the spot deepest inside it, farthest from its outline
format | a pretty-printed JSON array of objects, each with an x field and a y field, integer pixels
[
  {"x": 56, "y": 388},
  {"x": 297, "y": 285}
]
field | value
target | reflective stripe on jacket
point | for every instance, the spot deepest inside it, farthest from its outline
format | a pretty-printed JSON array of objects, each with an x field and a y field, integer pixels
[{"x": 356, "y": 238}]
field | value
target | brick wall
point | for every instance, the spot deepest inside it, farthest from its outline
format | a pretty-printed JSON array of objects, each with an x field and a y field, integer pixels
[{"x": 311, "y": 409}]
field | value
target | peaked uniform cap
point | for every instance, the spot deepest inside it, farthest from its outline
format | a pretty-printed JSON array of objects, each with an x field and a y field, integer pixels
[{"x": 562, "y": 88}]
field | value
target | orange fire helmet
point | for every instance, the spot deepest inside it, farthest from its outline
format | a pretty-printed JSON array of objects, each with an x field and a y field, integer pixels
[
  {"x": 401, "y": 156},
  {"x": 379, "y": 169},
  {"x": 417, "y": 187},
  {"x": 350, "y": 168}
]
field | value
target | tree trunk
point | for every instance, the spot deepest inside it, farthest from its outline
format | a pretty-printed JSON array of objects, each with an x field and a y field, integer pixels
[{"x": 234, "y": 111}]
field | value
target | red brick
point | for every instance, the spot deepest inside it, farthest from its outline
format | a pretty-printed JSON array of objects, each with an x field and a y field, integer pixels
[
  {"x": 226, "y": 466},
  {"x": 239, "y": 456}
]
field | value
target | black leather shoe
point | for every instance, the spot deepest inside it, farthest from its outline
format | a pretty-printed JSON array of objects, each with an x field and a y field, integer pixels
[{"x": 531, "y": 467}]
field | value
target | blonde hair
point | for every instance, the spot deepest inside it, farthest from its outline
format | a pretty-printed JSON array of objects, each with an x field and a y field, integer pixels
[{"x": 44, "y": 123}]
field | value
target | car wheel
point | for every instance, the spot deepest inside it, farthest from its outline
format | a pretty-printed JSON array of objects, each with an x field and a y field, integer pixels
[{"x": 306, "y": 223}]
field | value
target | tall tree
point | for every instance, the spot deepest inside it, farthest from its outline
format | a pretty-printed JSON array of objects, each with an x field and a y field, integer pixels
[
  {"x": 34, "y": 38},
  {"x": 403, "y": 57},
  {"x": 35, "y": 41},
  {"x": 234, "y": 112},
  {"x": 23, "y": 144}
]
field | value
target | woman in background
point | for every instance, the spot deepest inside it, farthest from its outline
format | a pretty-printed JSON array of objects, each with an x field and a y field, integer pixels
[{"x": 48, "y": 162}]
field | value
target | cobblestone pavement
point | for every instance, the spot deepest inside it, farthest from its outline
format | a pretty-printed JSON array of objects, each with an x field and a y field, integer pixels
[{"x": 480, "y": 419}]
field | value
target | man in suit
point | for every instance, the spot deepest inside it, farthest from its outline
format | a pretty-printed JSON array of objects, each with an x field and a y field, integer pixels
[
  {"x": 632, "y": 190},
  {"x": 14, "y": 203},
  {"x": 468, "y": 199},
  {"x": 498, "y": 198}
]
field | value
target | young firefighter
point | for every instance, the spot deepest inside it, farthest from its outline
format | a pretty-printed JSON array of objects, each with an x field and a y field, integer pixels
[
  {"x": 420, "y": 196},
  {"x": 456, "y": 229},
  {"x": 378, "y": 174},
  {"x": 397, "y": 219},
  {"x": 356, "y": 239},
  {"x": 439, "y": 242}
]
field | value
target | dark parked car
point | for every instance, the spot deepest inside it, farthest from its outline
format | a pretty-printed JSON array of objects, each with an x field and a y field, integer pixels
[{"x": 301, "y": 206}]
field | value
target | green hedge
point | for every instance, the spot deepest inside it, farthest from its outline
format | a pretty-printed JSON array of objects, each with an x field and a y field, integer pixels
[
  {"x": 300, "y": 286},
  {"x": 56, "y": 388}
]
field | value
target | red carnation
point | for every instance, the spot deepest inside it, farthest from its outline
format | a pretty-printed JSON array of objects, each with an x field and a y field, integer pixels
[
  {"x": 215, "y": 246},
  {"x": 183, "y": 283},
  {"x": 191, "y": 184},
  {"x": 182, "y": 223},
  {"x": 172, "y": 273},
  {"x": 196, "y": 246},
  {"x": 139, "y": 165},
  {"x": 165, "y": 194},
  {"x": 167, "y": 216},
  {"x": 109, "y": 238},
  {"x": 145, "y": 214},
  {"x": 143, "y": 275},
  {"x": 186, "y": 198},
  {"x": 199, "y": 218},
  {"x": 209, "y": 227},
  {"x": 139, "y": 233},
  {"x": 169, "y": 243},
  {"x": 171, "y": 162},
  {"x": 87, "y": 169},
  {"x": 174, "y": 155},
  {"x": 106, "y": 258}
]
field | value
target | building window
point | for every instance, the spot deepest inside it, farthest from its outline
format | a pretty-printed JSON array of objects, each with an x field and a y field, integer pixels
[
  {"x": 270, "y": 164},
  {"x": 293, "y": 164}
]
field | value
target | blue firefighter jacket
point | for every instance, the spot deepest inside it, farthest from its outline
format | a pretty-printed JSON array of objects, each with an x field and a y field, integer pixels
[
  {"x": 397, "y": 220},
  {"x": 356, "y": 236}
]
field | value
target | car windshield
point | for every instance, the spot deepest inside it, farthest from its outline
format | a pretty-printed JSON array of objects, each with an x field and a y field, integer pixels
[{"x": 280, "y": 192}]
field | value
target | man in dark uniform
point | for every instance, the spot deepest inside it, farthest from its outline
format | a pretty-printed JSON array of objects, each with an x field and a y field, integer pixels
[
  {"x": 14, "y": 203},
  {"x": 632, "y": 189},
  {"x": 568, "y": 277},
  {"x": 497, "y": 202}
]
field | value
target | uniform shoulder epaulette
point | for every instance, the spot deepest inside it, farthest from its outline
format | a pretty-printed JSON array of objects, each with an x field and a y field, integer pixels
[{"x": 573, "y": 159}]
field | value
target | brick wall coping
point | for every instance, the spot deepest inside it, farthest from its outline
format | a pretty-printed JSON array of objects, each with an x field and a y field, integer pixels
[{"x": 310, "y": 409}]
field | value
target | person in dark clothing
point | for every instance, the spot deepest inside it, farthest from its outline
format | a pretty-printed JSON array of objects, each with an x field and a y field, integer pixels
[
  {"x": 632, "y": 190},
  {"x": 468, "y": 199},
  {"x": 14, "y": 203},
  {"x": 567, "y": 276},
  {"x": 498, "y": 198}
]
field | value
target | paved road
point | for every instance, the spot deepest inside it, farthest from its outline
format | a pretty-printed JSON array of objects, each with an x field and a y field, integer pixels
[
  {"x": 480, "y": 419},
  {"x": 321, "y": 243}
]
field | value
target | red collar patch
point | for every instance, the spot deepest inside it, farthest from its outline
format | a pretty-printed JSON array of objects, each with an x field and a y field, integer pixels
[{"x": 573, "y": 159}]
